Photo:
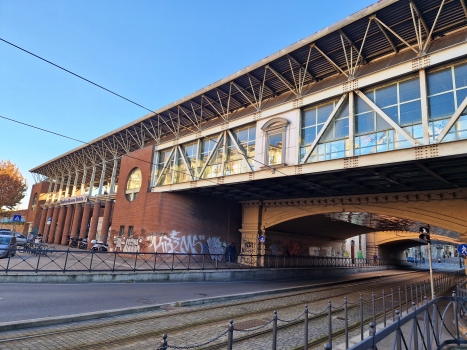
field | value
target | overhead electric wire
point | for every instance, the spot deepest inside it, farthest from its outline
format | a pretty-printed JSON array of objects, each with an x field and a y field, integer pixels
[{"x": 76, "y": 75}]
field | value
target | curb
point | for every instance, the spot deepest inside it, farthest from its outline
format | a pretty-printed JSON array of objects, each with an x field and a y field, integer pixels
[{"x": 49, "y": 321}]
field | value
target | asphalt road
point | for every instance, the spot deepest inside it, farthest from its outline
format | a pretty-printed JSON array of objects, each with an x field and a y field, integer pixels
[{"x": 22, "y": 301}]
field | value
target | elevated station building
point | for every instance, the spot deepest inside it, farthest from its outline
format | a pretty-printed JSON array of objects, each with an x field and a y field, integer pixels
[{"x": 360, "y": 128}]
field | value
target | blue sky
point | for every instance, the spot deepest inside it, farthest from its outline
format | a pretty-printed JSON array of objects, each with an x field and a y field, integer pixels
[{"x": 153, "y": 52}]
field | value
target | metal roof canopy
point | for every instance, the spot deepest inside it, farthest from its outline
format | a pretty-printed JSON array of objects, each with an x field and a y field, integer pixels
[{"x": 237, "y": 91}]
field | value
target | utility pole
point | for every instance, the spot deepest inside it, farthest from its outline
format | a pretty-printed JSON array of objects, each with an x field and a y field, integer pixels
[{"x": 425, "y": 235}]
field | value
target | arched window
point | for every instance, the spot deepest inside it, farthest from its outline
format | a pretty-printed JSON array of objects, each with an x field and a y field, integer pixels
[
  {"x": 134, "y": 184},
  {"x": 34, "y": 202}
]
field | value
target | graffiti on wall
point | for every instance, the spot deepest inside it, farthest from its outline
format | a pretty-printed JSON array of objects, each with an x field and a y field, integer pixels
[{"x": 248, "y": 247}]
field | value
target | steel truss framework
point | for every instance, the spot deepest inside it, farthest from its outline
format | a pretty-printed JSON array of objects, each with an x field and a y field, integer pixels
[{"x": 343, "y": 50}]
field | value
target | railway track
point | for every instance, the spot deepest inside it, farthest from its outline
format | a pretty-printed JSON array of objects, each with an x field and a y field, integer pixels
[{"x": 107, "y": 333}]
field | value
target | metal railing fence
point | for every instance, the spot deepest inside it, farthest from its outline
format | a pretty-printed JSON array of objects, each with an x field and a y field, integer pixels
[
  {"x": 387, "y": 307},
  {"x": 48, "y": 259}
]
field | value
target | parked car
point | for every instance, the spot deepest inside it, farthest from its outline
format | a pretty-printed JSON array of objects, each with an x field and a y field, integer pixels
[
  {"x": 7, "y": 242},
  {"x": 412, "y": 259},
  {"x": 5, "y": 231},
  {"x": 20, "y": 239}
]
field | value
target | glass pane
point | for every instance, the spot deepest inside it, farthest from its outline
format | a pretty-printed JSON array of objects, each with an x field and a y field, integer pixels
[
  {"x": 252, "y": 134},
  {"x": 308, "y": 135},
  {"x": 365, "y": 123},
  {"x": 382, "y": 124},
  {"x": 342, "y": 128},
  {"x": 343, "y": 111},
  {"x": 409, "y": 90},
  {"x": 309, "y": 118},
  {"x": 361, "y": 106},
  {"x": 275, "y": 149},
  {"x": 242, "y": 135},
  {"x": 324, "y": 112},
  {"x": 386, "y": 96},
  {"x": 393, "y": 113},
  {"x": 411, "y": 113},
  {"x": 439, "y": 81},
  {"x": 460, "y": 72},
  {"x": 134, "y": 180},
  {"x": 441, "y": 106},
  {"x": 461, "y": 95}
]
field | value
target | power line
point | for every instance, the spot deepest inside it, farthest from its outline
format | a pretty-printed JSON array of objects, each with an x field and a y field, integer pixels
[{"x": 76, "y": 75}]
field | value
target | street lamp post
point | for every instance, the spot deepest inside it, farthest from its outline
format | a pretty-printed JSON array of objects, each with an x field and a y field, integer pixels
[{"x": 425, "y": 235}]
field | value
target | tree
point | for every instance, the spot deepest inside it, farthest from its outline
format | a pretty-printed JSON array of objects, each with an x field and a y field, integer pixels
[{"x": 13, "y": 186}]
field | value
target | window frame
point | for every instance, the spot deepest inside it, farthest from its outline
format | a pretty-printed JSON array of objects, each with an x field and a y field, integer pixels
[{"x": 273, "y": 127}]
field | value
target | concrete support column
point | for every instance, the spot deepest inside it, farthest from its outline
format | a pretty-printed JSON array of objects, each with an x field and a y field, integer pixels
[
  {"x": 60, "y": 224},
  {"x": 66, "y": 227},
  {"x": 75, "y": 184},
  {"x": 42, "y": 221},
  {"x": 85, "y": 220},
  {"x": 50, "y": 211},
  {"x": 94, "y": 222},
  {"x": 101, "y": 181},
  {"x": 83, "y": 181},
  {"x": 109, "y": 204},
  {"x": 76, "y": 220},
  {"x": 53, "y": 225},
  {"x": 113, "y": 178},
  {"x": 251, "y": 230},
  {"x": 91, "y": 184}
]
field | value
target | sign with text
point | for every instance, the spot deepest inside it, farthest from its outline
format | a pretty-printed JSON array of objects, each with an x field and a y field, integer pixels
[{"x": 75, "y": 199}]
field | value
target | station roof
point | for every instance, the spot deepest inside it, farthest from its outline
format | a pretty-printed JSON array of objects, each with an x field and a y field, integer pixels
[{"x": 279, "y": 72}]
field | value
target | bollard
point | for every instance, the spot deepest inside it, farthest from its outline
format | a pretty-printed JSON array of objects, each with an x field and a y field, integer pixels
[
  {"x": 306, "y": 328},
  {"x": 392, "y": 304},
  {"x": 406, "y": 300},
  {"x": 230, "y": 338},
  {"x": 427, "y": 325},
  {"x": 455, "y": 305},
  {"x": 274, "y": 331},
  {"x": 400, "y": 300},
  {"x": 327, "y": 346},
  {"x": 435, "y": 320},
  {"x": 164, "y": 345}
]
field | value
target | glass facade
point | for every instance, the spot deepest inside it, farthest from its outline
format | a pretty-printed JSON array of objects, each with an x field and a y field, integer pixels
[
  {"x": 447, "y": 88},
  {"x": 401, "y": 102},
  {"x": 134, "y": 180},
  {"x": 335, "y": 141},
  {"x": 219, "y": 150}
]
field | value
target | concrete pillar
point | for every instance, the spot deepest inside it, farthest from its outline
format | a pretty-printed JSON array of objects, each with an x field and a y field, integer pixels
[
  {"x": 60, "y": 223},
  {"x": 78, "y": 214},
  {"x": 42, "y": 221},
  {"x": 53, "y": 225},
  {"x": 94, "y": 222},
  {"x": 251, "y": 230},
  {"x": 47, "y": 227},
  {"x": 85, "y": 220},
  {"x": 66, "y": 227},
  {"x": 109, "y": 204}
]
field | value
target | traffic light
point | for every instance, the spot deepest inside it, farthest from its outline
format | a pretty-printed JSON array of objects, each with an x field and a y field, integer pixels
[{"x": 425, "y": 233}]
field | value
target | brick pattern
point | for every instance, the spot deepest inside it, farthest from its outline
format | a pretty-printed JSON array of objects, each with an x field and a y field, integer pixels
[
  {"x": 85, "y": 220},
  {"x": 94, "y": 222},
  {"x": 67, "y": 226},
  {"x": 60, "y": 224},
  {"x": 78, "y": 214},
  {"x": 162, "y": 213},
  {"x": 35, "y": 216},
  {"x": 53, "y": 225},
  {"x": 106, "y": 221}
]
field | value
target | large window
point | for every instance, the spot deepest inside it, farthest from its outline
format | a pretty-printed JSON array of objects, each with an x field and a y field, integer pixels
[
  {"x": 218, "y": 155},
  {"x": 447, "y": 88},
  {"x": 400, "y": 101},
  {"x": 275, "y": 147},
  {"x": 34, "y": 202},
  {"x": 335, "y": 141},
  {"x": 133, "y": 184}
]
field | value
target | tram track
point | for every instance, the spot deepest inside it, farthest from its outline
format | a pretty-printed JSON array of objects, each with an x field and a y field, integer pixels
[{"x": 347, "y": 288}]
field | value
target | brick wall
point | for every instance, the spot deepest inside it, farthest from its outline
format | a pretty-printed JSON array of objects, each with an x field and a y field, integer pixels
[
  {"x": 34, "y": 216},
  {"x": 179, "y": 221}
]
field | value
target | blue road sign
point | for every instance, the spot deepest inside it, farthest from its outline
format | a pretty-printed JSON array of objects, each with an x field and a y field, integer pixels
[
  {"x": 262, "y": 239},
  {"x": 16, "y": 218},
  {"x": 462, "y": 249},
  {"x": 49, "y": 219}
]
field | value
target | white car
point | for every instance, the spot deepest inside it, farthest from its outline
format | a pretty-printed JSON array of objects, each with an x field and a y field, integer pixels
[{"x": 20, "y": 239}]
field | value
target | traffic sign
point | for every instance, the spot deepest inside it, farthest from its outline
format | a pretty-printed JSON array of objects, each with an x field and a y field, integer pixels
[
  {"x": 16, "y": 218},
  {"x": 462, "y": 249},
  {"x": 49, "y": 220},
  {"x": 262, "y": 239}
]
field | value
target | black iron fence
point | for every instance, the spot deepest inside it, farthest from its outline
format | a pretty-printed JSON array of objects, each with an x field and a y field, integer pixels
[
  {"x": 48, "y": 259},
  {"x": 427, "y": 324}
]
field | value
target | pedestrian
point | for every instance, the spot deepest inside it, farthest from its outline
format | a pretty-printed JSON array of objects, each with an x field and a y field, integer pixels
[
  {"x": 375, "y": 258},
  {"x": 230, "y": 253}
]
